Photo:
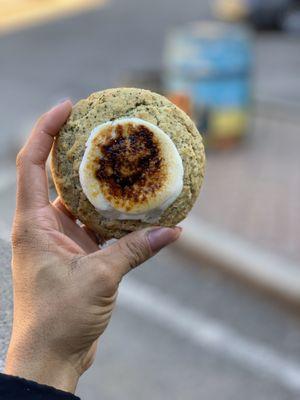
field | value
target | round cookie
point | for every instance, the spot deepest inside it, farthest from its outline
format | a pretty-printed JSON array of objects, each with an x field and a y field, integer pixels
[{"x": 108, "y": 105}]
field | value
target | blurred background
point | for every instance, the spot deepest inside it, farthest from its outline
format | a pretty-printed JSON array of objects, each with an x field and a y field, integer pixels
[{"x": 218, "y": 313}]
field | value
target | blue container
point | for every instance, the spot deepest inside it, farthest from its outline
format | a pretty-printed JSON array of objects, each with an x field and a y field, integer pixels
[{"x": 211, "y": 62}]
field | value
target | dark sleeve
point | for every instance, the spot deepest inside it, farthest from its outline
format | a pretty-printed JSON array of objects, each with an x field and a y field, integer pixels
[{"x": 15, "y": 388}]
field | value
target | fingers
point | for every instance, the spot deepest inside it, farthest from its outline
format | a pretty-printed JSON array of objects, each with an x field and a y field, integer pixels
[
  {"x": 131, "y": 251},
  {"x": 94, "y": 236},
  {"x": 60, "y": 205},
  {"x": 135, "y": 248},
  {"x": 32, "y": 181},
  {"x": 83, "y": 236},
  {"x": 39, "y": 143}
]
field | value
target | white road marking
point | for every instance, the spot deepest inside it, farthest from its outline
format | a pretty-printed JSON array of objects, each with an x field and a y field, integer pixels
[{"x": 210, "y": 334}]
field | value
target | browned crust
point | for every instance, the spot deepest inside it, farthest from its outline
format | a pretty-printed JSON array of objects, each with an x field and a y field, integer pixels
[{"x": 131, "y": 168}]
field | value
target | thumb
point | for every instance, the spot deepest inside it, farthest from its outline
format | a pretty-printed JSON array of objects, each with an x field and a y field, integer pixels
[
  {"x": 137, "y": 247},
  {"x": 133, "y": 249}
]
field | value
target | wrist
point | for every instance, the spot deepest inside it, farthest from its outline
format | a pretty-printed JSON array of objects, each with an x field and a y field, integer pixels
[{"x": 41, "y": 367}]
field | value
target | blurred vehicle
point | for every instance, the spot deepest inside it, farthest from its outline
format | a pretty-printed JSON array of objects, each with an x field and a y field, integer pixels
[{"x": 262, "y": 15}]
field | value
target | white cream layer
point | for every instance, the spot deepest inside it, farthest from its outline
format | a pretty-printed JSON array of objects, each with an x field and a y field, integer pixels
[{"x": 152, "y": 210}]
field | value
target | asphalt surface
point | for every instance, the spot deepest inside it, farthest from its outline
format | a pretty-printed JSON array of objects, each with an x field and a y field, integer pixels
[
  {"x": 75, "y": 56},
  {"x": 142, "y": 355}
]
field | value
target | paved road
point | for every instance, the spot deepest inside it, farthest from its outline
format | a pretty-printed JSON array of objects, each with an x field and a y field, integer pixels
[
  {"x": 75, "y": 56},
  {"x": 253, "y": 191},
  {"x": 185, "y": 331},
  {"x": 157, "y": 344},
  {"x": 152, "y": 360}
]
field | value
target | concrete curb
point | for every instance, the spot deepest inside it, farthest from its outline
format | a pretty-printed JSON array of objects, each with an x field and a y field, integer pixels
[
  {"x": 277, "y": 275},
  {"x": 274, "y": 274},
  {"x": 277, "y": 109}
]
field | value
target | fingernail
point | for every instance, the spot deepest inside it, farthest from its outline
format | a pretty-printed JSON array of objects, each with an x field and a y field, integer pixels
[{"x": 161, "y": 237}]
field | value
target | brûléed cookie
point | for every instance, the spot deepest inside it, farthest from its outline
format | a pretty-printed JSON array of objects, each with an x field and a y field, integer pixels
[{"x": 126, "y": 159}]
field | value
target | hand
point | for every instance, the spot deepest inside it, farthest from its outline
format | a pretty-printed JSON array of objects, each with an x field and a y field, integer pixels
[{"x": 65, "y": 288}]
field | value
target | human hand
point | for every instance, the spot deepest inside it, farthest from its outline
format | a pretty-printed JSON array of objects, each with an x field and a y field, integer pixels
[{"x": 65, "y": 288}]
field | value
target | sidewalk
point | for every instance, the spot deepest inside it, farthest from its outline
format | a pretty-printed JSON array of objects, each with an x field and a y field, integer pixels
[{"x": 254, "y": 191}]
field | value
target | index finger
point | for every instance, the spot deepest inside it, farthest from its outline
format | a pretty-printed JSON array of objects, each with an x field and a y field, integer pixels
[{"x": 32, "y": 186}]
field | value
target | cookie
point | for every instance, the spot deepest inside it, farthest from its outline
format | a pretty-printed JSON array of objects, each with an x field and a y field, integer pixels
[{"x": 126, "y": 159}]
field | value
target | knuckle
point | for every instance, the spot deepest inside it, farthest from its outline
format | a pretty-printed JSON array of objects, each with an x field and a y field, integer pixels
[
  {"x": 16, "y": 239},
  {"x": 24, "y": 231},
  {"x": 75, "y": 263},
  {"x": 21, "y": 158},
  {"x": 21, "y": 236},
  {"x": 106, "y": 279},
  {"x": 134, "y": 251}
]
